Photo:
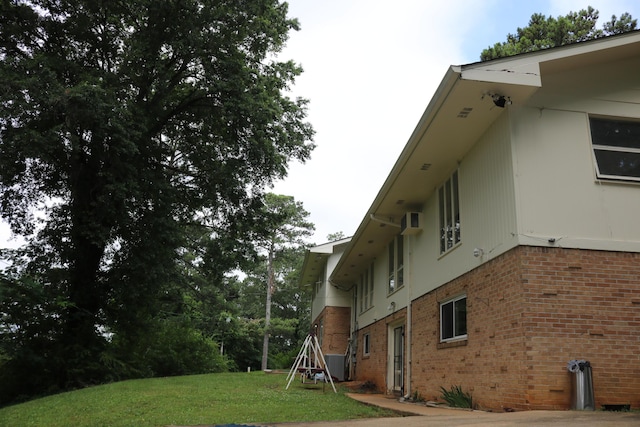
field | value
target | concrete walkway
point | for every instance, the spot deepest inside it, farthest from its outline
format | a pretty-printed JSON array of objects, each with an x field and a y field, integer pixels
[{"x": 421, "y": 415}]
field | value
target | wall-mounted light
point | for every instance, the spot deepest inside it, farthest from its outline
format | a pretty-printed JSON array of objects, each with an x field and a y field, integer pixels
[
  {"x": 498, "y": 100},
  {"x": 501, "y": 101},
  {"x": 478, "y": 252},
  {"x": 392, "y": 306}
]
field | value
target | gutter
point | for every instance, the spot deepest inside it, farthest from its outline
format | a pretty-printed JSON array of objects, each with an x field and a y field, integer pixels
[{"x": 446, "y": 86}]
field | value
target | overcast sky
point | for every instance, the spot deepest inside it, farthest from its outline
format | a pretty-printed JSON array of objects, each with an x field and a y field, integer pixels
[{"x": 370, "y": 69}]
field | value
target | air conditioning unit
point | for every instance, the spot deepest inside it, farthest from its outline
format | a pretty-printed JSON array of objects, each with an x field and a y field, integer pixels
[{"x": 411, "y": 223}]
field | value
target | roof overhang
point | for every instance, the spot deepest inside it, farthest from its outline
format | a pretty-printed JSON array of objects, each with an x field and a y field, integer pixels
[
  {"x": 315, "y": 259},
  {"x": 461, "y": 110}
]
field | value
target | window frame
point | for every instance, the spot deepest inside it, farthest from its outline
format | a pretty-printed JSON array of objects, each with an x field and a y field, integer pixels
[
  {"x": 454, "y": 336},
  {"x": 395, "y": 264},
  {"x": 366, "y": 344},
  {"x": 366, "y": 286},
  {"x": 606, "y": 148},
  {"x": 449, "y": 224},
  {"x": 371, "y": 285}
]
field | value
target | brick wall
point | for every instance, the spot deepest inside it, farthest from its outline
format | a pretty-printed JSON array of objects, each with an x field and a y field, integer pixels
[
  {"x": 490, "y": 363},
  {"x": 582, "y": 305},
  {"x": 373, "y": 367},
  {"x": 335, "y": 323},
  {"x": 529, "y": 312}
]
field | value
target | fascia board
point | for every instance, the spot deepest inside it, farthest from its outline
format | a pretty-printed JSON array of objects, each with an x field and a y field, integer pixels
[
  {"x": 515, "y": 73},
  {"x": 445, "y": 87}
]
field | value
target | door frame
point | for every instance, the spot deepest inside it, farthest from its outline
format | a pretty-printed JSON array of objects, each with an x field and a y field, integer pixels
[{"x": 396, "y": 362}]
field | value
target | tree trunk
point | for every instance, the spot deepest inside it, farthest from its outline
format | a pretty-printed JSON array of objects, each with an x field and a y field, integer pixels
[{"x": 267, "y": 317}]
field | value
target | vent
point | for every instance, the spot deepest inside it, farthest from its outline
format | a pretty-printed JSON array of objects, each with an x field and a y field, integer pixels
[
  {"x": 464, "y": 113},
  {"x": 411, "y": 223}
]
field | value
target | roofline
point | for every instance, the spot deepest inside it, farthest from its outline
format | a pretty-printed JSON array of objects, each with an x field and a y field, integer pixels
[
  {"x": 530, "y": 63},
  {"x": 448, "y": 82}
]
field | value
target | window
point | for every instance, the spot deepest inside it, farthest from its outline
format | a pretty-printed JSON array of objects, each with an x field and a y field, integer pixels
[
  {"x": 366, "y": 289},
  {"x": 371, "y": 286},
  {"x": 360, "y": 299},
  {"x": 453, "y": 319},
  {"x": 616, "y": 148},
  {"x": 364, "y": 285},
  {"x": 449, "y": 205},
  {"x": 366, "y": 343},
  {"x": 396, "y": 263}
]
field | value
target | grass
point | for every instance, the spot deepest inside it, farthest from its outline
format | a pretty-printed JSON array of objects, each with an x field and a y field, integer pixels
[{"x": 249, "y": 398}]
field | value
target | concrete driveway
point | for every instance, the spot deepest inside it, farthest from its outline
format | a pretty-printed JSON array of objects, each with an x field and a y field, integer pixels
[{"x": 423, "y": 416}]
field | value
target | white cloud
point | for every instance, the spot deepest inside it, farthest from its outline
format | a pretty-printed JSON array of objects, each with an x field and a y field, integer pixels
[{"x": 371, "y": 68}]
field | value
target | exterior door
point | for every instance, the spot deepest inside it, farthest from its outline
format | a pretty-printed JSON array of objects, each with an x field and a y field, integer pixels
[{"x": 398, "y": 359}]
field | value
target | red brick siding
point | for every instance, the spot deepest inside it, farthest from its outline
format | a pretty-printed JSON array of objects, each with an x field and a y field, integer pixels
[
  {"x": 373, "y": 366},
  {"x": 582, "y": 304},
  {"x": 490, "y": 363},
  {"x": 336, "y": 322},
  {"x": 529, "y": 312}
]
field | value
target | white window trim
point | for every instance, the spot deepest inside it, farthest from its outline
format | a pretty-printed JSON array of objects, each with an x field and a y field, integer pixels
[
  {"x": 454, "y": 208},
  {"x": 455, "y": 337},
  {"x": 398, "y": 269},
  {"x": 366, "y": 344},
  {"x": 365, "y": 289},
  {"x": 611, "y": 148}
]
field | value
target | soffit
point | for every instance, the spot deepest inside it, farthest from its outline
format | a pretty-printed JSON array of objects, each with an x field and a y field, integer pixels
[
  {"x": 459, "y": 113},
  {"x": 315, "y": 261},
  {"x": 437, "y": 147}
]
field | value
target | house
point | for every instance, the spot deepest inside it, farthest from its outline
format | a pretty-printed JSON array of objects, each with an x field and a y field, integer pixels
[
  {"x": 505, "y": 241},
  {"x": 331, "y": 306}
]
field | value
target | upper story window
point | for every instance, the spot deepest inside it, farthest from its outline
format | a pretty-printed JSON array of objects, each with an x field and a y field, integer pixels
[
  {"x": 366, "y": 289},
  {"x": 449, "y": 210},
  {"x": 616, "y": 148},
  {"x": 396, "y": 263},
  {"x": 371, "y": 286},
  {"x": 453, "y": 319}
]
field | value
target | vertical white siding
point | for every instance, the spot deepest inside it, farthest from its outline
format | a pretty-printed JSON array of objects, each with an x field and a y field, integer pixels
[
  {"x": 559, "y": 196},
  {"x": 487, "y": 213}
]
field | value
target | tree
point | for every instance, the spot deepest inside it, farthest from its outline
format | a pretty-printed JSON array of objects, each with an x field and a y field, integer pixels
[
  {"x": 123, "y": 124},
  {"x": 338, "y": 235},
  {"x": 288, "y": 228},
  {"x": 546, "y": 32}
]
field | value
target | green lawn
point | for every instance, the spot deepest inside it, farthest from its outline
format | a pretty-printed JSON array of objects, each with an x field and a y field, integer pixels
[{"x": 249, "y": 398}]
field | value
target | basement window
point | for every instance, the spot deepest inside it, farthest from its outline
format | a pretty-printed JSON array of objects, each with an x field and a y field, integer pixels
[
  {"x": 453, "y": 319},
  {"x": 366, "y": 344},
  {"x": 616, "y": 148}
]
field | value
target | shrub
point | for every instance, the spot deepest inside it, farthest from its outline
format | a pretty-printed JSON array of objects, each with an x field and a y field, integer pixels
[{"x": 456, "y": 398}]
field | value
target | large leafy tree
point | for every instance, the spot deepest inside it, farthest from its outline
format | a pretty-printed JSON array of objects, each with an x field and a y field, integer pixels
[
  {"x": 280, "y": 251},
  {"x": 545, "y": 32},
  {"x": 123, "y": 124}
]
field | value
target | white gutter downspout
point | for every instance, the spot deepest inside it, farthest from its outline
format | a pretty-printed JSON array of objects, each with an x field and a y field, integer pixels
[
  {"x": 409, "y": 297},
  {"x": 382, "y": 221}
]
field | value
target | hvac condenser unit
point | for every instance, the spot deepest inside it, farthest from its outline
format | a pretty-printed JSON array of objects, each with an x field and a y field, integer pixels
[
  {"x": 335, "y": 363},
  {"x": 411, "y": 223}
]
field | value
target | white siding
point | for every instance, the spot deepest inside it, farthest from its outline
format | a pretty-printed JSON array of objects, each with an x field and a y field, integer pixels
[
  {"x": 559, "y": 196},
  {"x": 528, "y": 179},
  {"x": 488, "y": 221},
  {"x": 487, "y": 213}
]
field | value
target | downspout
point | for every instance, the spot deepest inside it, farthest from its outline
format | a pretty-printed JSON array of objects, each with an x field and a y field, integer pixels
[
  {"x": 382, "y": 221},
  {"x": 409, "y": 322}
]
